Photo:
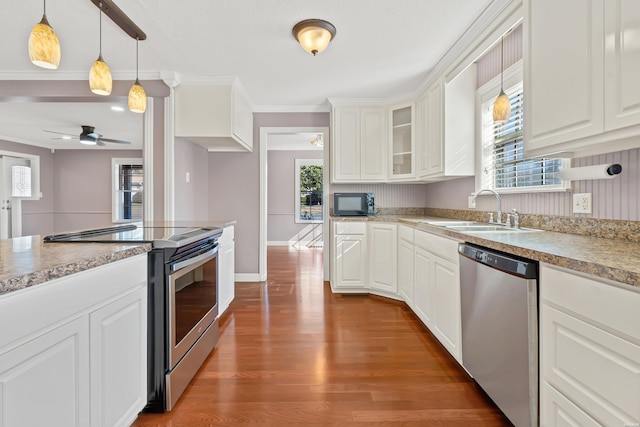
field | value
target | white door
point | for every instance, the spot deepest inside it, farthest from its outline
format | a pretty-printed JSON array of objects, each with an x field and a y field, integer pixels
[{"x": 10, "y": 207}]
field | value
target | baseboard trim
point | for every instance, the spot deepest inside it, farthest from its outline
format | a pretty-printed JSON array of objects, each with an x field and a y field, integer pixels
[{"x": 247, "y": 277}]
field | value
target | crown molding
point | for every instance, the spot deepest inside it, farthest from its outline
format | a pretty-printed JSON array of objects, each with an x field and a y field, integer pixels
[
  {"x": 74, "y": 75},
  {"x": 326, "y": 108}
]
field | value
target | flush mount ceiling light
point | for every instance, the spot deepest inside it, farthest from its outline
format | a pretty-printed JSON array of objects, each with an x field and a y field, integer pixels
[
  {"x": 314, "y": 35},
  {"x": 502, "y": 106},
  {"x": 318, "y": 141},
  {"x": 100, "y": 80},
  {"x": 137, "y": 96},
  {"x": 44, "y": 46}
]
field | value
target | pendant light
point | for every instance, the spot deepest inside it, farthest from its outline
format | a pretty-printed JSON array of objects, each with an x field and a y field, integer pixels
[
  {"x": 100, "y": 76},
  {"x": 137, "y": 96},
  {"x": 502, "y": 106},
  {"x": 44, "y": 46},
  {"x": 318, "y": 141}
]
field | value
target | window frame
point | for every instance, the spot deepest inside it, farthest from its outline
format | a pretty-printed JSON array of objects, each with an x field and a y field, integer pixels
[
  {"x": 298, "y": 164},
  {"x": 512, "y": 76},
  {"x": 116, "y": 212}
]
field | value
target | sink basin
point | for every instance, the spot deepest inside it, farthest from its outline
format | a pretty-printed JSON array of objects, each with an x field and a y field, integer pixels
[
  {"x": 450, "y": 223},
  {"x": 488, "y": 228}
]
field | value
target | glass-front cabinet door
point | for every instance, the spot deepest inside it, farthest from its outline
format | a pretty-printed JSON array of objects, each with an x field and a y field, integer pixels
[{"x": 402, "y": 142}]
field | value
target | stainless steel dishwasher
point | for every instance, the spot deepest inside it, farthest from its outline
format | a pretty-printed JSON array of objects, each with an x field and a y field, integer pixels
[{"x": 499, "y": 300}]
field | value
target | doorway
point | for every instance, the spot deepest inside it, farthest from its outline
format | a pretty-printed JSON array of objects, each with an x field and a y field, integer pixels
[
  {"x": 19, "y": 180},
  {"x": 268, "y": 134}
]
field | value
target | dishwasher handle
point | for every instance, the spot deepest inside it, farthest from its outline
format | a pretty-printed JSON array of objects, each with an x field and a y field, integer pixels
[{"x": 511, "y": 264}]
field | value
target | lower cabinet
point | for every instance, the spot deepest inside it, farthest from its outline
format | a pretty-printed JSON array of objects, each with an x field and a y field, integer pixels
[
  {"x": 349, "y": 256},
  {"x": 437, "y": 288},
  {"x": 226, "y": 273},
  {"x": 76, "y": 349},
  {"x": 45, "y": 381},
  {"x": 118, "y": 340},
  {"x": 589, "y": 351},
  {"x": 383, "y": 257},
  {"x": 405, "y": 264},
  {"x": 401, "y": 262}
]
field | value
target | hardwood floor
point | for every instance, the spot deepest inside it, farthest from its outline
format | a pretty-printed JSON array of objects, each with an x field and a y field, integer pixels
[{"x": 292, "y": 353}]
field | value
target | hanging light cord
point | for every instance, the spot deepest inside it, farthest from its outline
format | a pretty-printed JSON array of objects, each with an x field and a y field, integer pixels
[
  {"x": 137, "y": 41},
  {"x": 502, "y": 64},
  {"x": 45, "y": 8},
  {"x": 100, "y": 55}
]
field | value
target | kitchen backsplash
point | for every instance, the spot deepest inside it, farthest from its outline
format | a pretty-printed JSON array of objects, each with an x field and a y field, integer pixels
[{"x": 614, "y": 199}]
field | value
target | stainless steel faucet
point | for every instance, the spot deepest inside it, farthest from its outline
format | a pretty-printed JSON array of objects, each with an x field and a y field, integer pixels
[{"x": 497, "y": 197}]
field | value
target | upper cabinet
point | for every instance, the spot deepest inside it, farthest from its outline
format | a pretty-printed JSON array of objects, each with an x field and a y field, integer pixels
[
  {"x": 359, "y": 144},
  {"x": 446, "y": 128},
  {"x": 402, "y": 142},
  {"x": 581, "y": 92},
  {"x": 217, "y": 117}
]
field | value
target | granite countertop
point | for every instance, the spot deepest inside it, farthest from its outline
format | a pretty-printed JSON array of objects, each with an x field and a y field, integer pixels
[
  {"x": 28, "y": 261},
  {"x": 610, "y": 259}
]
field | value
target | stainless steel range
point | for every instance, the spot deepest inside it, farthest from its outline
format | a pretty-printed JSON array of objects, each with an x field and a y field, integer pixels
[{"x": 183, "y": 301}]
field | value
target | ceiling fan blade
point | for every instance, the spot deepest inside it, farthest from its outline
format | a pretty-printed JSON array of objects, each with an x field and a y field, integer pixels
[
  {"x": 100, "y": 143},
  {"x": 116, "y": 141},
  {"x": 67, "y": 138},
  {"x": 59, "y": 133}
]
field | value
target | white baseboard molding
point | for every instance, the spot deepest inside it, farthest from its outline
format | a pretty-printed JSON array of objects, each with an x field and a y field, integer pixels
[
  {"x": 247, "y": 277},
  {"x": 301, "y": 243}
]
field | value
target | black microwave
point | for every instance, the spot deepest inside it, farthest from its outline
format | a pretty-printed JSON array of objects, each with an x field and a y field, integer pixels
[{"x": 353, "y": 204}]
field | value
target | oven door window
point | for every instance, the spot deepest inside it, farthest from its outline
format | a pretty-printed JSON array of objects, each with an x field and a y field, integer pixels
[{"x": 195, "y": 296}]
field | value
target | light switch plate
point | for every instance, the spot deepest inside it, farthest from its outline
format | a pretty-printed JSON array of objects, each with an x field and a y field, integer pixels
[
  {"x": 470, "y": 203},
  {"x": 582, "y": 203}
]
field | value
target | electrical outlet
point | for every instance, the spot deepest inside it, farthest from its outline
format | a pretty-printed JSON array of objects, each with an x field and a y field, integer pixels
[
  {"x": 471, "y": 204},
  {"x": 188, "y": 177},
  {"x": 582, "y": 203}
]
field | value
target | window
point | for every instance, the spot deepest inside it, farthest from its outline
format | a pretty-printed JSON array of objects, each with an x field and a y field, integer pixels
[
  {"x": 308, "y": 197},
  {"x": 127, "y": 185},
  {"x": 502, "y": 165}
]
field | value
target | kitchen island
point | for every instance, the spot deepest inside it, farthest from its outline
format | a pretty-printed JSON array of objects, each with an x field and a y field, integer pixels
[{"x": 74, "y": 335}]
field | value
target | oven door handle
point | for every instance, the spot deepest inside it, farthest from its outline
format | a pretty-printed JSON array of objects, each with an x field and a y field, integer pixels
[{"x": 195, "y": 260}]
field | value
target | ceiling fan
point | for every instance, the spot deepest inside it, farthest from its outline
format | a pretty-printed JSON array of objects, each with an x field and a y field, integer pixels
[{"x": 89, "y": 136}]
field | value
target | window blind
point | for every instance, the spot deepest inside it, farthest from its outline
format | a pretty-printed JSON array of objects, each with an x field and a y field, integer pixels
[{"x": 504, "y": 165}]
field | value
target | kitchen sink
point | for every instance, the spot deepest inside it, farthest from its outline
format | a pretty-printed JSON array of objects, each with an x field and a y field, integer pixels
[
  {"x": 488, "y": 228},
  {"x": 450, "y": 223}
]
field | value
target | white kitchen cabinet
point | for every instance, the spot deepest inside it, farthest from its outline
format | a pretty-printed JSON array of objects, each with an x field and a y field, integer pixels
[
  {"x": 76, "y": 349},
  {"x": 383, "y": 257},
  {"x": 590, "y": 350},
  {"x": 118, "y": 355},
  {"x": 226, "y": 272},
  {"x": 358, "y": 144},
  {"x": 45, "y": 381},
  {"x": 350, "y": 256},
  {"x": 402, "y": 118},
  {"x": 437, "y": 288},
  {"x": 581, "y": 95},
  {"x": 405, "y": 264},
  {"x": 216, "y": 116},
  {"x": 446, "y": 128},
  {"x": 423, "y": 272}
]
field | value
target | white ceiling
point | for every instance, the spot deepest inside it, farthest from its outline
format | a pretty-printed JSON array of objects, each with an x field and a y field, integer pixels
[{"x": 383, "y": 48}]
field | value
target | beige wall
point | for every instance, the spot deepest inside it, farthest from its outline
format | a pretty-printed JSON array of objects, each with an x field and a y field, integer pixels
[{"x": 191, "y": 198}]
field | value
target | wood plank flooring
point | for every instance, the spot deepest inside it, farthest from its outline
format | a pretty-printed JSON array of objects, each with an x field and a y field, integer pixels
[{"x": 291, "y": 353}]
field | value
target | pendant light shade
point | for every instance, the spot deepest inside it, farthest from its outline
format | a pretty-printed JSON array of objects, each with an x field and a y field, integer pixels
[
  {"x": 100, "y": 80},
  {"x": 137, "y": 96},
  {"x": 318, "y": 141},
  {"x": 314, "y": 35},
  {"x": 44, "y": 46},
  {"x": 502, "y": 106}
]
